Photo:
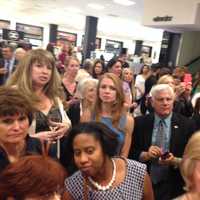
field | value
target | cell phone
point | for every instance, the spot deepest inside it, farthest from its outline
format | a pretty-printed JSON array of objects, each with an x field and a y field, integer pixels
[
  {"x": 187, "y": 79},
  {"x": 165, "y": 155}
]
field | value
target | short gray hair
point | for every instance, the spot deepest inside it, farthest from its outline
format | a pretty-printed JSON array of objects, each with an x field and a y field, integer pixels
[
  {"x": 85, "y": 83},
  {"x": 159, "y": 88}
]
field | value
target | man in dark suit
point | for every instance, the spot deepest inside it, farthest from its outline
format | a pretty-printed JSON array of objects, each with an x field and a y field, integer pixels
[
  {"x": 159, "y": 140},
  {"x": 7, "y": 63}
]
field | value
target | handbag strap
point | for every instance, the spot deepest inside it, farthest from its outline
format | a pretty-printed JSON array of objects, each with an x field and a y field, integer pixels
[{"x": 65, "y": 118}]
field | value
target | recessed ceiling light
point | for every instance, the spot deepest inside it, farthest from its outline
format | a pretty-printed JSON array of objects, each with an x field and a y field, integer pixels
[
  {"x": 124, "y": 2},
  {"x": 96, "y": 6}
]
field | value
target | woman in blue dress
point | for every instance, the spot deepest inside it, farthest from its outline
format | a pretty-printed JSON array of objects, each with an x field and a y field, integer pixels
[{"x": 110, "y": 110}]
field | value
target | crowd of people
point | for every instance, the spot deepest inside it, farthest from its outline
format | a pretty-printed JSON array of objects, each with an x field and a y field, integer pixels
[{"x": 96, "y": 130}]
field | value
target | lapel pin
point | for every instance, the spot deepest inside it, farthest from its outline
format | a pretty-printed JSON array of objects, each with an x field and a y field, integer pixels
[{"x": 175, "y": 126}]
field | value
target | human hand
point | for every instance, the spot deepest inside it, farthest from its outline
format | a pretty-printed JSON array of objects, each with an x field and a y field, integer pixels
[
  {"x": 154, "y": 152},
  {"x": 134, "y": 105},
  {"x": 169, "y": 160},
  {"x": 45, "y": 135},
  {"x": 59, "y": 129},
  {"x": 3, "y": 71},
  {"x": 179, "y": 89}
]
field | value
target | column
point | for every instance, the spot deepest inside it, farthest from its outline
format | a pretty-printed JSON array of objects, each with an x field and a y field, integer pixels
[
  {"x": 53, "y": 33},
  {"x": 90, "y": 35}
]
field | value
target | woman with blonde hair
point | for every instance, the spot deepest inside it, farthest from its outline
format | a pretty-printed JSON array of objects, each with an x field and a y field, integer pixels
[
  {"x": 109, "y": 109},
  {"x": 37, "y": 78},
  {"x": 167, "y": 79},
  {"x": 86, "y": 92},
  {"x": 190, "y": 168},
  {"x": 69, "y": 83},
  {"x": 128, "y": 76}
]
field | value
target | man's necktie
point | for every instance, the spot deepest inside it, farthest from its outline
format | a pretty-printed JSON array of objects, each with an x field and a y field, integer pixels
[
  {"x": 160, "y": 135},
  {"x": 158, "y": 172}
]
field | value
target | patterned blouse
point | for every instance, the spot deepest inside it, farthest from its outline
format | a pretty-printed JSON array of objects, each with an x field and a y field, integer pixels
[{"x": 130, "y": 189}]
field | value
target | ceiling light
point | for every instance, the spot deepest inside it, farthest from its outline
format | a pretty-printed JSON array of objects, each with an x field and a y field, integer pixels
[
  {"x": 96, "y": 6},
  {"x": 124, "y": 2}
]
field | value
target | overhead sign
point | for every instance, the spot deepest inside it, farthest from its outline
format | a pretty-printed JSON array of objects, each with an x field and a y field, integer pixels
[{"x": 163, "y": 19}]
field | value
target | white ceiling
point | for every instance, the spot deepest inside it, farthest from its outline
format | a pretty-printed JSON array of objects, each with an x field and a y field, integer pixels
[
  {"x": 115, "y": 20},
  {"x": 59, "y": 11}
]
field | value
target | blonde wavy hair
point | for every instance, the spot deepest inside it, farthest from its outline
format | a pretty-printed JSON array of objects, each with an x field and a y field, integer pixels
[
  {"x": 21, "y": 78},
  {"x": 117, "y": 109},
  {"x": 190, "y": 158}
]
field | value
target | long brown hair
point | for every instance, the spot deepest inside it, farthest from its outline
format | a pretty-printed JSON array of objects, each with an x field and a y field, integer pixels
[
  {"x": 32, "y": 176},
  {"x": 22, "y": 76},
  {"x": 118, "y": 106}
]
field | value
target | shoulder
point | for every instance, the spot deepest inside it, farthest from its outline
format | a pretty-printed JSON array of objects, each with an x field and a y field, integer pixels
[
  {"x": 74, "y": 184},
  {"x": 77, "y": 176},
  {"x": 139, "y": 77},
  {"x": 144, "y": 118},
  {"x": 135, "y": 165},
  {"x": 136, "y": 172},
  {"x": 129, "y": 120},
  {"x": 182, "y": 120},
  {"x": 33, "y": 145}
]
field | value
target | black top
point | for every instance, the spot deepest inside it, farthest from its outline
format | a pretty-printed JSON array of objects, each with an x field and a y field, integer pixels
[
  {"x": 149, "y": 83},
  {"x": 33, "y": 146},
  {"x": 74, "y": 113},
  {"x": 183, "y": 107},
  {"x": 68, "y": 95},
  {"x": 42, "y": 125},
  {"x": 196, "y": 119}
]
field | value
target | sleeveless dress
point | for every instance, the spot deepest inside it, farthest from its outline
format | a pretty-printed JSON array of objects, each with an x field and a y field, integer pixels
[
  {"x": 119, "y": 132},
  {"x": 68, "y": 95},
  {"x": 132, "y": 188},
  {"x": 42, "y": 125}
]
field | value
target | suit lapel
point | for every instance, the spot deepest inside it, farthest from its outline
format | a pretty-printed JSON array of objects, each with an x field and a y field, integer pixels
[
  {"x": 174, "y": 132},
  {"x": 149, "y": 125}
]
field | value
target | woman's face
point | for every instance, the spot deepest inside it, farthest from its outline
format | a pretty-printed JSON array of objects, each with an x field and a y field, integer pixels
[
  {"x": 98, "y": 69},
  {"x": 107, "y": 91},
  {"x": 41, "y": 74},
  {"x": 88, "y": 154},
  {"x": 170, "y": 81},
  {"x": 13, "y": 128},
  {"x": 128, "y": 75},
  {"x": 116, "y": 69},
  {"x": 90, "y": 93},
  {"x": 145, "y": 70},
  {"x": 72, "y": 67}
]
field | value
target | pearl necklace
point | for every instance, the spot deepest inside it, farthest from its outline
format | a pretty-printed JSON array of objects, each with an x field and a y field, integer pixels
[{"x": 106, "y": 187}]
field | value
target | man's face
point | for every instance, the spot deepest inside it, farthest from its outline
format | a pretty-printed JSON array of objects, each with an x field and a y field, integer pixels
[
  {"x": 163, "y": 103},
  {"x": 7, "y": 53}
]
